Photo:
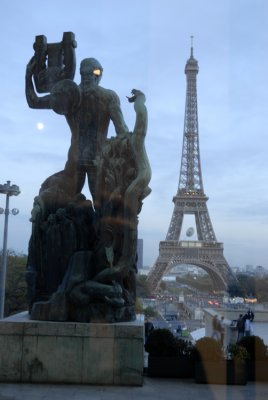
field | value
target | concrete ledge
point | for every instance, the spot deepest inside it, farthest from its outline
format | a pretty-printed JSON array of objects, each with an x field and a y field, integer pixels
[{"x": 70, "y": 352}]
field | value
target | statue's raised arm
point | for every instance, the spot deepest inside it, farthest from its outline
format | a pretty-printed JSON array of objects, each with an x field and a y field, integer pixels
[
  {"x": 51, "y": 63},
  {"x": 33, "y": 100}
]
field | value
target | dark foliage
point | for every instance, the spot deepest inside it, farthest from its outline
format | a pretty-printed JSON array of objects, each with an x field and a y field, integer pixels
[
  {"x": 162, "y": 342},
  {"x": 185, "y": 348},
  {"x": 245, "y": 286},
  {"x": 237, "y": 353},
  {"x": 16, "y": 288},
  {"x": 255, "y": 346},
  {"x": 142, "y": 288}
]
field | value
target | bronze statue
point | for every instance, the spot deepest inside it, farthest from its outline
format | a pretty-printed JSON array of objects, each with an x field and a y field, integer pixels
[{"x": 82, "y": 254}]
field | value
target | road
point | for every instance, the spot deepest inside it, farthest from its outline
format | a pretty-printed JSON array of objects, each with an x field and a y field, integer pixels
[{"x": 171, "y": 314}]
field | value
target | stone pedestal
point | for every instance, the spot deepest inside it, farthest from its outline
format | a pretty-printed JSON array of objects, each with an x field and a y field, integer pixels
[{"x": 70, "y": 352}]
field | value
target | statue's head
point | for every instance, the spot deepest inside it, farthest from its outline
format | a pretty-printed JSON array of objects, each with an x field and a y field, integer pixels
[{"x": 91, "y": 70}]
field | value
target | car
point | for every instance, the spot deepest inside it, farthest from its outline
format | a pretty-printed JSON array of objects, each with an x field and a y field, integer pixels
[{"x": 171, "y": 317}]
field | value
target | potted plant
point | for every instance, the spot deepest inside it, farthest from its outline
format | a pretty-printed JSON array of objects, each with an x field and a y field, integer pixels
[
  {"x": 257, "y": 364},
  {"x": 237, "y": 353},
  {"x": 212, "y": 367},
  {"x": 168, "y": 356},
  {"x": 237, "y": 357}
]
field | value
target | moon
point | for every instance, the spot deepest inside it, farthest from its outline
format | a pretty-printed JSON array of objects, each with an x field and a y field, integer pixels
[{"x": 40, "y": 126}]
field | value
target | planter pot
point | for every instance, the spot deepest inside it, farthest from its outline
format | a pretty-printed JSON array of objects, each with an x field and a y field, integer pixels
[
  {"x": 221, "y": 372},
  {"x": 257, "y": 370},
  {"x": 170, "y": 367}
]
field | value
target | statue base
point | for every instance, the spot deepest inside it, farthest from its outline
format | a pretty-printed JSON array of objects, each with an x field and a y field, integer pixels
[{"x": 71, "y": 352}]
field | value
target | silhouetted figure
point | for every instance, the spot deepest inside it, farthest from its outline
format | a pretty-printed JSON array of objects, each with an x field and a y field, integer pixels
[
  {"x": 179, "y": 330},
  {"x": 240, "y": 327},
  {"x": 148, "y": 328},
  {"x": 248, "y": 326},
  {"x": 216, "y": 328},
  {"x": 250, "y": 315},
  {"x": 221, "y": 326}
]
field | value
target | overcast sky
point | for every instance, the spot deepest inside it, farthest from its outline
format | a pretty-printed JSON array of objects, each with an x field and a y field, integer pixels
[{"x": 145, "y": 44}]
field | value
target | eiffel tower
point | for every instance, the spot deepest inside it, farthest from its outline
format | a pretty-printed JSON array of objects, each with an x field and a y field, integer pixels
[{"x": 205, "y": 252}]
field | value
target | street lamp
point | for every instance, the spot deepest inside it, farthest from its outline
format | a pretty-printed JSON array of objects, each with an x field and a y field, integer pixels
[{"x": 8, "y": 190}]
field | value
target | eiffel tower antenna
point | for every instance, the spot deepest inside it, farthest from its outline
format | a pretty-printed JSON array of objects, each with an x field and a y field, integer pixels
[
  {"x": 205, "y": 252},
  {"x": 192, "y": 49}
]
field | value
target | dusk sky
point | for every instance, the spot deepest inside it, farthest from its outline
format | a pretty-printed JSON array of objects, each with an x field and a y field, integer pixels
[{"x": 144, "y": 44}]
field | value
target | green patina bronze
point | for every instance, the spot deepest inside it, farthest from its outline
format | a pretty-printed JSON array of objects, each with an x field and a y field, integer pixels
[{"x": 82, "y": 253}]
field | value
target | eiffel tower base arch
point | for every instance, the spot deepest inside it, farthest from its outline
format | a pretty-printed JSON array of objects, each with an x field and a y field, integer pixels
[{"x": 206, "y": 255}]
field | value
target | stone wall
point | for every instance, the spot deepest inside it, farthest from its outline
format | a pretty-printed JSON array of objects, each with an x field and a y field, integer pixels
[{"x": 37, "y": 351}]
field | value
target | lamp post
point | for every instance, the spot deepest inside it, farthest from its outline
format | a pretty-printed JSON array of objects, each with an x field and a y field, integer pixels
[{"x": 8, "y": 190}]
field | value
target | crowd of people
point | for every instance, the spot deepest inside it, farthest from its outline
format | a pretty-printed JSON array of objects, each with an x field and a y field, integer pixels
[{"x": 244, "y": 325}]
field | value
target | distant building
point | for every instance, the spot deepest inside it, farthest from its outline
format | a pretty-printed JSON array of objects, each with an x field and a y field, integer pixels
[
  {"x": 236, "y": 270},
  {"x": 169, "y": 278},
  {"x": 186, "y": 269},
  {"x": 143, "y": 271},
  {"x": 249, "y": 269},
  {"x": 260, "y": 270},
  {"x": 140, "y": 254}
]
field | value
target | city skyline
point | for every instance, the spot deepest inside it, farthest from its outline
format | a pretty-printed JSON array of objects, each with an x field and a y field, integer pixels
[{"x": 145, "y": 46}]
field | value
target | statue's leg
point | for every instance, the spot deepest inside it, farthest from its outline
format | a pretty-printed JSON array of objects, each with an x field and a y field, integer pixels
[
  {"x": 91, "y": 176},
  {"x": 80, "y": 180}
]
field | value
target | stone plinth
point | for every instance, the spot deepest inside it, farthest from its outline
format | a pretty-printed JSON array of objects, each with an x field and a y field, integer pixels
[{"x": 70, "y": 352}]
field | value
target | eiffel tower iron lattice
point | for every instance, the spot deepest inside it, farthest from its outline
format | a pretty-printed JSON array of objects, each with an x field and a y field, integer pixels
[{"x": 205, "y": 252}]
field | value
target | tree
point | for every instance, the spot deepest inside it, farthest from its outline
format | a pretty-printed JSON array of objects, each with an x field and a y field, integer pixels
[
  {"x": 235, "y": 290},
  {"x": 247, "y": 284},
  {"x": 142, "y": 287},
  {"x": 150, "y": 312},
  {"x": 138, "y": 306},
  {"x": 261, "y": 289},
  {"x": 202, "y": 283},
  {"x": 16, "y": 288}
]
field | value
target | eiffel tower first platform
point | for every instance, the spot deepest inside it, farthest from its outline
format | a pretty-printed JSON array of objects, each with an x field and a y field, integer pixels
[{"x": 205, "y": 252}]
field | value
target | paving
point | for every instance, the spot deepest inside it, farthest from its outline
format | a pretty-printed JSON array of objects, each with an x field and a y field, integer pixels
[{"x": 153, "y": 388}]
